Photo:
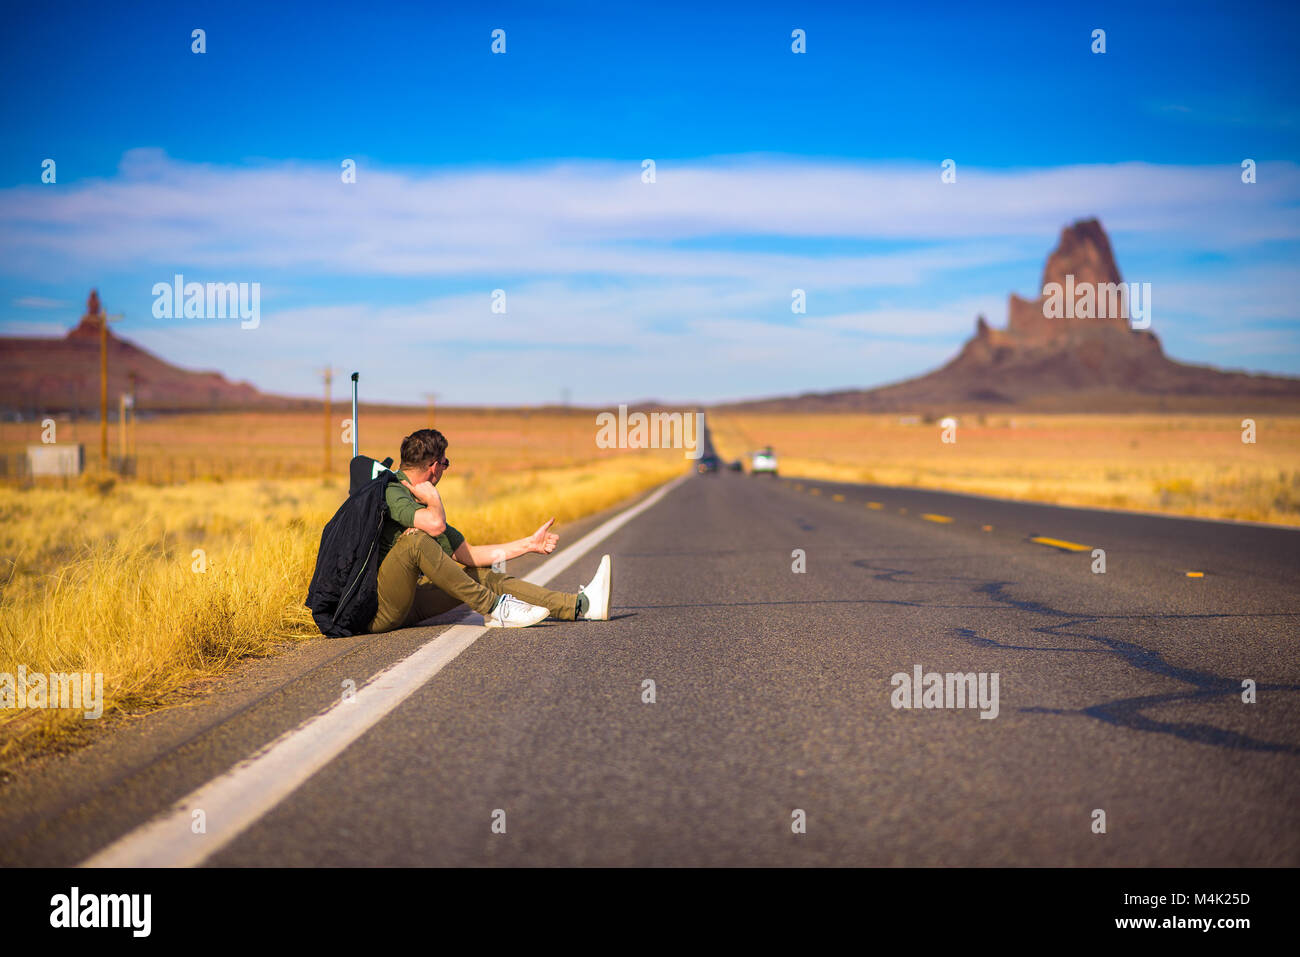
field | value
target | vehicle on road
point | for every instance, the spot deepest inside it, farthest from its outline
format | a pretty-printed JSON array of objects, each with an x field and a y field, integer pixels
[
  {"x": 763, "y": 462},
  {"x": 736, "y": 465},
  {"x": 708, "y": 463}
]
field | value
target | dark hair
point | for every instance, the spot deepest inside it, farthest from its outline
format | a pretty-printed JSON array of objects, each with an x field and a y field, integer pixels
[{"x": 423, "y": 447}]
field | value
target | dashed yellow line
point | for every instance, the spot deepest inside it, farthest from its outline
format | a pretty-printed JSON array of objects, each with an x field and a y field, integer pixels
[
  {"x": 1059, "y": 543},
  {"x": 798, "y": 486},
  {"x": 1196, "y": 574},
  {"x": 947, "y": 519}
]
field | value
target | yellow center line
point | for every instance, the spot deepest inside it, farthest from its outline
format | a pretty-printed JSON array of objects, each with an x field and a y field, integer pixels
[
  {"x": 1058, "y": 543},
  {"x": 875, "y": 505},
  {"x": 986, "y": 528},
  {"x": 837, "y": 498},
  {"x": 929, "y": 517},
  {"x": 815, "y": 491},
  {"x": 1196, "y": 574}
]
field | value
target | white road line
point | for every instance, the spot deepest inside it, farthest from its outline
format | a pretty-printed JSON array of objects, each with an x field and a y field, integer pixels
[{"x": 235, "y": 800}]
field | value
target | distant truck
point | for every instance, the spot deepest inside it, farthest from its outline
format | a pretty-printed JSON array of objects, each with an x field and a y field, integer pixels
[{"x": 763, "y": 462}]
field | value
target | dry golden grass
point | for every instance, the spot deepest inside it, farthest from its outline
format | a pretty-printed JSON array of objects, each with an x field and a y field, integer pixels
[
  {"x": 174, "y": 448},
  {"x": 99, "y": 577},
  {"x": 103, "y": 579},
  {"x": 1178, "y": 464}
]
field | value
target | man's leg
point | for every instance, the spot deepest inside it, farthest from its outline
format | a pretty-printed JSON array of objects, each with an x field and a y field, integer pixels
[
  {"x": 430, "y": 602},
  {"x": 416, "y": 554},
  {"x": 562, "y": 605}
]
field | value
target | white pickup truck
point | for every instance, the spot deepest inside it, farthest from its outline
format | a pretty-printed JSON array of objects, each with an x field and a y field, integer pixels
[{"x": 763, "y": 462}]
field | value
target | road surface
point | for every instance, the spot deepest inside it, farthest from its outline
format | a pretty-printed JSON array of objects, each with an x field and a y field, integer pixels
[{"x": 1118, "y": 692}]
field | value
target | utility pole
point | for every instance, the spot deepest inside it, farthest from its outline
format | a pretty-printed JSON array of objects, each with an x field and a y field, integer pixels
[
  {"x": 133, "y": 378},
  {"x": 328, "y": 373},
  {"x": 93, "y": 309},
  {"x": 121, "y": 428},
  {"x": 96, "y": 314},
  {"x": 429, "y": 398}
]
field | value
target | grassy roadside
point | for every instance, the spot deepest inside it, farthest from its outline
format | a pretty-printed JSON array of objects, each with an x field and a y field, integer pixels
[
  {"x": 1175, "y": 464},
  {"x": 161, "y": 588}
]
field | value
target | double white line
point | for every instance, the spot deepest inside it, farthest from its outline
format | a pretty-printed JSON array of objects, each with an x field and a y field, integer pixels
[{"x": 235, "y": 800}]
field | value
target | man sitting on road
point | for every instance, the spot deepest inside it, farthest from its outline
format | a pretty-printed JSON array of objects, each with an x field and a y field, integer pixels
[{"x": 416, "y": 540}]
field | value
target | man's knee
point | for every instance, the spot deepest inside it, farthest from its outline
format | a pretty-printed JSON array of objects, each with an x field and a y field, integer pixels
[
  {"x": 484, "y": 576},
  {"x": 492, "y": 579}
]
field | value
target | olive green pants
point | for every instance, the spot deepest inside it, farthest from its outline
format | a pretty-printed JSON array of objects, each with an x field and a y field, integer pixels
[{"x": 404, "y": 600}]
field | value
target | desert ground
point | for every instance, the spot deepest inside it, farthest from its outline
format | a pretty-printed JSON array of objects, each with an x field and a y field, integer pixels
[
  {"x": 164, "y": 581},
  {"x": 1175, "y": 464}
]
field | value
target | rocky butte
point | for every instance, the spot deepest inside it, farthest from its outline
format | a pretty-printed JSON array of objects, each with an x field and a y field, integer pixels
[
  {"x": 1050, "y": 361},
  {"x": 61, "y": 374}
]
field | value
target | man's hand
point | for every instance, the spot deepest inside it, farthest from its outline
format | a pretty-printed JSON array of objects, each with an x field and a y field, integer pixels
[
  {"x": 424, "y": 493},
  {"x": 543, "y": 540}
]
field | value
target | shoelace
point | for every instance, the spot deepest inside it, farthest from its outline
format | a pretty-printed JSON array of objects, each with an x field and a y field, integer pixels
[{"x": 506, "y": 610}]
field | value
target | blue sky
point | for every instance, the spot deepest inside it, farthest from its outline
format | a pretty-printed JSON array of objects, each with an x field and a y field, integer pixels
[{"x": 522, "y": 172}]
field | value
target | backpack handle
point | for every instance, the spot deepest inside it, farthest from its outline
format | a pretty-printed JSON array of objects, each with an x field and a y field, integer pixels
[{"x": 355, "y": 376}]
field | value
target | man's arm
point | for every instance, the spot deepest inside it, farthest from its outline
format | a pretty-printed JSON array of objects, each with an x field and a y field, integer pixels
[
  {"x": 542, "y": 541},
  {"x": 433, "y": 517}
]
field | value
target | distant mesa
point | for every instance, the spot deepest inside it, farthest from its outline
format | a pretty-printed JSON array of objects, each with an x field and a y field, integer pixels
[
  {"x": 1046, "y": 359},
  {"x": 1049, "y": 360},
  {"x": 41, "y": 375}
]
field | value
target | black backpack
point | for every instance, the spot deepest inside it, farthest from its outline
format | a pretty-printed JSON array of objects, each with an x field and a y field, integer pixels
[{"x": 344, "y": 592}]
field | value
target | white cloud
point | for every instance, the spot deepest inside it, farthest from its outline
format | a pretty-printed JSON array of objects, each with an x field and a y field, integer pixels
[
  {"x": 40, "y": 302},
  {"x": 22, "y": 327},
  {"x": 598, "y": 217},
  {"x": 618, "y": 288}
]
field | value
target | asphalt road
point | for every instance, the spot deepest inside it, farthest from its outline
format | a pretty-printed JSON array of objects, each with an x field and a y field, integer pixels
[{"x": 1119, "y": 692}]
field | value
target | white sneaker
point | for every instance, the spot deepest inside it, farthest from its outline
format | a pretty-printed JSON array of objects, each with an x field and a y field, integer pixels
[
  {"x": 598, "y": 591},
  {"x": 510, "y": 612}
]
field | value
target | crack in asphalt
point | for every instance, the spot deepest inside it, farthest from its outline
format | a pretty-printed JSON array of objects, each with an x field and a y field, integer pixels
[{"x": 1124, "y": 712}]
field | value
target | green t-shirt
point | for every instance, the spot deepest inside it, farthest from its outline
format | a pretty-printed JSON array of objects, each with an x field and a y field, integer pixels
[{"x": 402, "y": 506}]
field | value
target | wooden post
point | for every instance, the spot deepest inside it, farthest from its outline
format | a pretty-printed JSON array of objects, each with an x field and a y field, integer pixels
[
  {"x": 103, "y": 391},
  {"x": 329, "y": 378},
  {"x": 133, "y": 414},
  {"x": 121, "y": 431},
  {"x": 95, "y": 312}
]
